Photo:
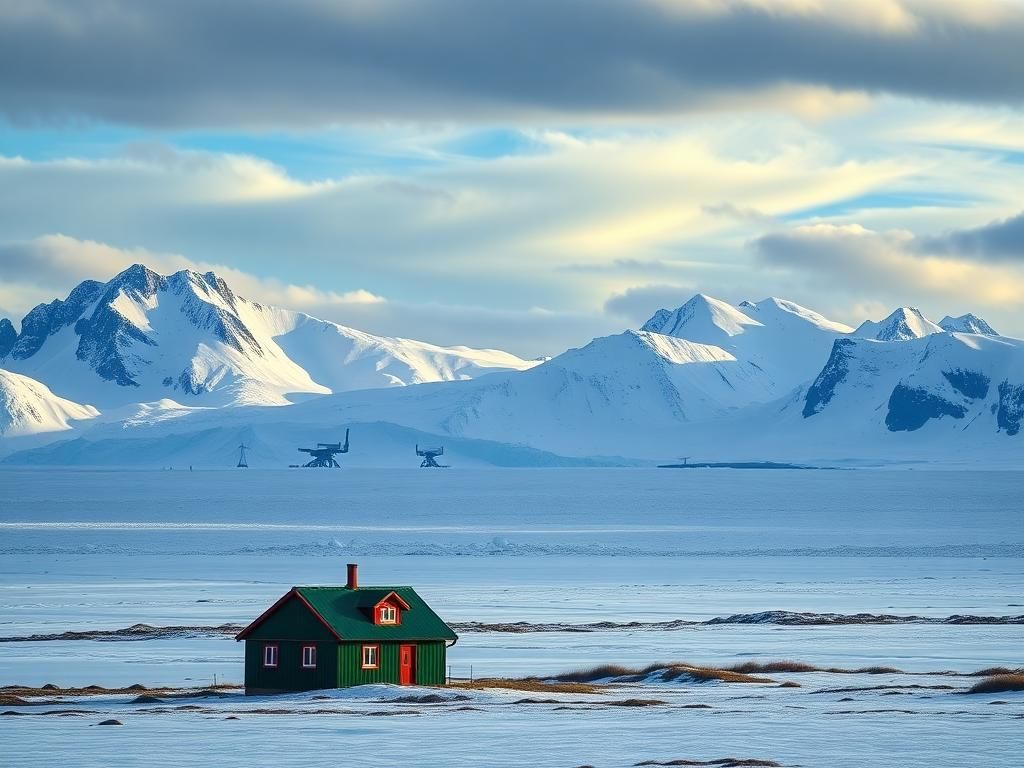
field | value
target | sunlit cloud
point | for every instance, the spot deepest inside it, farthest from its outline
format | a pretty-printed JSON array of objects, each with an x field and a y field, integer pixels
[
  {"x": 307, "y": 63},
  {"x": 869, "y": 264}
]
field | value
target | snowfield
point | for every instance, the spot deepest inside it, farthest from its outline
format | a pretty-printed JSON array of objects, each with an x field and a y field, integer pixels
[{"x": 542, "y": 571}]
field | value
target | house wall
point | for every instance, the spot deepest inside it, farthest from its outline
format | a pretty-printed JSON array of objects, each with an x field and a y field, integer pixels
[
  {"x": 430, "y": 664},
  {"x": 291, "y": 627},
  {"x": 289, "y": 674}
]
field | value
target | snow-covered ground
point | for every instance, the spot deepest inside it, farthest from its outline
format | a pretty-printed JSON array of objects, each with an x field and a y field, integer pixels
[{"x": 555, "y": 548}]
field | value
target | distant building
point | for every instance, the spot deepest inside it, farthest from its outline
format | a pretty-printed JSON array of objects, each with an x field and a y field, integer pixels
[{"x": 335, "y": 637}]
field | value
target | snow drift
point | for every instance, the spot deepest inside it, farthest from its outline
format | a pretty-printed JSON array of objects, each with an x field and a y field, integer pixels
[{"x": 28, "y": 407}]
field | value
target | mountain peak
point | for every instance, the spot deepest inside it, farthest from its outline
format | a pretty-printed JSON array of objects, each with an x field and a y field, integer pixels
[
  {"x": 703, "y": 319},
  {"x": 969, "y": 323},
  {"x": 138, "y": 278},
  {"x": 205, "y": 284},
  {"x": 903, "y": 324},
  {"x": 144, "y": 336}
]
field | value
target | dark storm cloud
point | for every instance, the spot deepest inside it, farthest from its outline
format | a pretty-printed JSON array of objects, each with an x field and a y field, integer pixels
[
  {"x": 997, "y": 241},
  {"x": 181, "y": 63}
]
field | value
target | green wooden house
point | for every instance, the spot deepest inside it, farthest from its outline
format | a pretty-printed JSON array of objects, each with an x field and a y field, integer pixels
[{"x": 335, "y": 637}]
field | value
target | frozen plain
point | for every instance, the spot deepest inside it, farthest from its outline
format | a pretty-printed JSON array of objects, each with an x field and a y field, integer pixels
[{"x": 85, "y": 550}]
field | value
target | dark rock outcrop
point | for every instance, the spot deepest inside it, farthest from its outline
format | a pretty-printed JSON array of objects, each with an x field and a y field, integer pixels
[
  {"x": 832, "y": 375},
  {"x": 8, "y": 337},
  {"x": 1011, "y": 407},
  {"x": 910, "y": 408},
  {"x": 971, "y": 384},
  {"x": 47, "y": 319}
]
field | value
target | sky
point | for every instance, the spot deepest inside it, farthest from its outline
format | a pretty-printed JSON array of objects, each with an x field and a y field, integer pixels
[{"x": 523, "y": 175}]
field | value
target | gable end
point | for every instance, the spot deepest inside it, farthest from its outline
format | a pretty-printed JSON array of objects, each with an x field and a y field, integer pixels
[{"x": 292, "y": 617}]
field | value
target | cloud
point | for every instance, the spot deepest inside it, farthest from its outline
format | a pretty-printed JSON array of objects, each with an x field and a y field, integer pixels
[
  {"x": 1001, "y": 240},
  {"x": 561, "y": 226},
  {"x": 869, "y": 265},
  {"x": 307, "y": 63},
  {"x": 637, "y": 304}
]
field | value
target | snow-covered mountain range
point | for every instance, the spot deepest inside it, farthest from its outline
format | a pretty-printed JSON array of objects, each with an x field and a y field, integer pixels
[
  {"x": 768, "y": 380},
  {"x": 189, "y": 338}
]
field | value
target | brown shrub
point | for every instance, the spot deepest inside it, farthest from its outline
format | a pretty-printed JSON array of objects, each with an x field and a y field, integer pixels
[
  {"x": 993, "y": 671},
  {"x": 870, "y": 671},
  {"x": 998, "y": 684},
  {"x": 601, "y": 672}
]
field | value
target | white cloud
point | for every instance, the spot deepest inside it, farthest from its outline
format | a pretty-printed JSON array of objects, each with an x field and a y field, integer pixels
[
  {"x": 868, "y": 266},
  {"x": 527, "y": 245}
]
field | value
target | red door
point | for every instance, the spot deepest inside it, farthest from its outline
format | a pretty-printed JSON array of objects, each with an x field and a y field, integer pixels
[{"x": 406, "y": 664}]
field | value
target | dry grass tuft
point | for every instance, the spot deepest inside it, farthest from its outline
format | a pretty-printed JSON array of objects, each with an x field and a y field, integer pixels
[
  {"x": 636, "y": 703},
  {"x": 531, "y": 684},
  {"x": 999, "y": 684},
  {"x": 869, "y": 671},
  {"x": 994, "y": 671},
  {"x": 602, "y": 672},
  {"x": 784, "y": 665},
  {"x": 668, "y": 673},
  {"x": 787, "y": 665}
]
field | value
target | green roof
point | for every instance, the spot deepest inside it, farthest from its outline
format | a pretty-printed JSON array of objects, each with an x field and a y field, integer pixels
[{"x": 349, "y": 613}]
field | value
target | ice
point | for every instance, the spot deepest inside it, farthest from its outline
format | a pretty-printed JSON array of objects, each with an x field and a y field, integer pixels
[{"x": 86, "y": 550}]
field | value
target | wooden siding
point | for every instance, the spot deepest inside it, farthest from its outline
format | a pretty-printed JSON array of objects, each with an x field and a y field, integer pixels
[
  {"x": 289, "y": 674},
  {"x": 430, "y": 664}
]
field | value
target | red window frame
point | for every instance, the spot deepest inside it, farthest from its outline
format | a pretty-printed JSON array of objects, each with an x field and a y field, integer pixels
[
  {"x": 302, "y": 658},
  {"x": 276, "y": 655},
  {"x": 396, "y": 615},
  {"x": 376, "y": 657}
]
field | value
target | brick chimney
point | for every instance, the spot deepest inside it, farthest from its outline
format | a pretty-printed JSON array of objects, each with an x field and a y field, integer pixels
[{"x": 353, "y": 576}]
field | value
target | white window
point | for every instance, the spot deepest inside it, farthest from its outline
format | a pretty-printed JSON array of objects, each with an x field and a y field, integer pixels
[
  {"x": 388, "y": 614},
  {"x": 269, "y": 655},
  {"x": 309, "y": 657},
  {"x": 371, "y": 656}
]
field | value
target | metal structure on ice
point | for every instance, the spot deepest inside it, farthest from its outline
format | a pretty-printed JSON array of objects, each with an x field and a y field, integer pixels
[
  {"x": 430, "y": 456},
  {"x": 324, "y": 453}
]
